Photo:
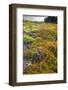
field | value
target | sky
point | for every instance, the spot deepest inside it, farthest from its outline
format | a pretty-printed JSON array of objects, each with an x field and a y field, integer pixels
[{"x": 34, "y": 18}]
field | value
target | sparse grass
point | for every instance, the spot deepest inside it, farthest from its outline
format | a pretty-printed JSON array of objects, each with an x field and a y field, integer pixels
[{"x": 44, "y": 38}]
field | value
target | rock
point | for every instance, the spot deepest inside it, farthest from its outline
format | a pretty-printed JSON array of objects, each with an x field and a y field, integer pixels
[{"x": 36, "y": 57}]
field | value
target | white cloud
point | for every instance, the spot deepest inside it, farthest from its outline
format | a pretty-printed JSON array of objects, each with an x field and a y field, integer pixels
[{"x": 34, "y": 18}]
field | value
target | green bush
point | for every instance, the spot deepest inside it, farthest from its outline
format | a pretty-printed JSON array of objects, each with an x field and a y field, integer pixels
[{"x": 27, "y": 38}]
